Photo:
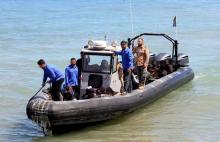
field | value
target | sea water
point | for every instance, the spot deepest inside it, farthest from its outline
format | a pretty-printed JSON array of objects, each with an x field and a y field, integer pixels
[{"x": 56, "y": 31}]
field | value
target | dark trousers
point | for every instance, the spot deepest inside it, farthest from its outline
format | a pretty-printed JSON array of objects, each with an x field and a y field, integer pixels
[
  {"x": 56, "y": 90},
  {"x": 127, "y": 81},
  {"x": 76, "y": 90},
  {"x": 140, "y": 73}
]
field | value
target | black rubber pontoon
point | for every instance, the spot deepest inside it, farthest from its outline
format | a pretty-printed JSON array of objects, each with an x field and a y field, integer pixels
[{"x": 49, "y": 113}]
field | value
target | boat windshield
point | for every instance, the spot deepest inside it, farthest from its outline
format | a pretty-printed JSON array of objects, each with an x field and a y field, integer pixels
[{"x": 97, "y": 63}]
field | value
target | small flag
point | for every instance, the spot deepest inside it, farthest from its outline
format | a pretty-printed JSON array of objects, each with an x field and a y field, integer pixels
[{"x": 174, "y": 21}]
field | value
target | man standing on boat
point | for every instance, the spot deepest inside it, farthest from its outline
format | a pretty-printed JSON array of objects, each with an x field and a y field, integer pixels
[
  {"x": 141, "y": 54},
  {"x": 79, "y": 66},
  {"x": 56, "y": 78},
  {"x": 127, "y": 63},
  {"x": 72, "y": 78}
]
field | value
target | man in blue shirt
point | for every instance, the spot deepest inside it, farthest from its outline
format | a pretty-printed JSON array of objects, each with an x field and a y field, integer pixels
[
  {"x": 72, "y": 78},
  {"x": 127, "y": 63},
  {"x": 56, "y": 78}
]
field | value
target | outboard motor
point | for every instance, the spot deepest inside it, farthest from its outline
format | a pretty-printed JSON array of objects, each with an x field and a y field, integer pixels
[
  {"x": 152, "y": 58},
  {"x": 183, "y": 60},
  {"x": 162, "y": 56}
]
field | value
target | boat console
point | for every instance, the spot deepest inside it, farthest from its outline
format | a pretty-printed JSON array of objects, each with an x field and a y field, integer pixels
[{"x": 99, "y": 67}]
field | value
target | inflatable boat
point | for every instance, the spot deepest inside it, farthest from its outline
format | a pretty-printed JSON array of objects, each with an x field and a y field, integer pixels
[{"x": 50, "y": 114}]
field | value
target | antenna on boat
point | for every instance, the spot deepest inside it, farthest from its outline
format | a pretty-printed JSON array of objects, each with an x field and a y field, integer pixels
[
  {"x": 131, "y": 18},
  {"x": 105, "y": 37}
]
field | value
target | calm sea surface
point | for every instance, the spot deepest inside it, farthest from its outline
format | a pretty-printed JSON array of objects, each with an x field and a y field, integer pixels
[{"x": 56, "y": 30}]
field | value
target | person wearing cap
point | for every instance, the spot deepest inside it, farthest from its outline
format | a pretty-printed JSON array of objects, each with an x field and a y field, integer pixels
[
  {"x": 56, "y": 78},
  {"x": 127, "y": 64}
]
